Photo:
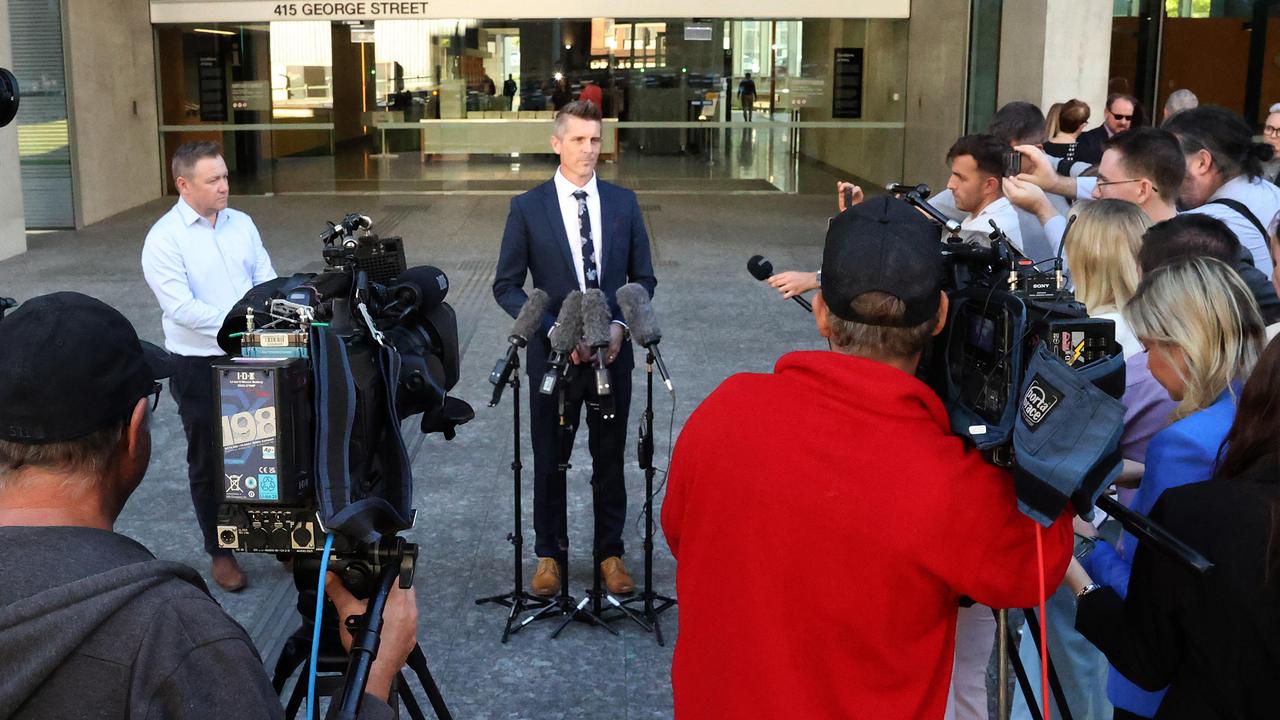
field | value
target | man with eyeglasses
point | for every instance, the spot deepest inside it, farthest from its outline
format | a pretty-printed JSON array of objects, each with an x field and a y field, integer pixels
[
  {"x": 1119, "y": 116},
  {"x": 1271, "y": 136},
  {"x": 92, "y": 624}
]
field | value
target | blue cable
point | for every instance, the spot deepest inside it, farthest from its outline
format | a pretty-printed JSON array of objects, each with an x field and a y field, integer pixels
[{"x": 315, "y": 636}]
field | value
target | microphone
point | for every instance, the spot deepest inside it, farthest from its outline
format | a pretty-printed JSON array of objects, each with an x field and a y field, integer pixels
[
  {"x": 921, "y": 190},
  {"x": 637, "y": 310},
  {"x": 596, "y": 319},
  {"x": 421, "y": 288},
  {"x": 761, "y": 269},
  {"x": 564, "y": 336},
  {"x": 527, "y": 323}
]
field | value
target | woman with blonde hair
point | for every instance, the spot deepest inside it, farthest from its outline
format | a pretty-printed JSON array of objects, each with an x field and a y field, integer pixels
[
  {"x": 1203, "y": 334},
  {"x": 1101, "y": 248}
]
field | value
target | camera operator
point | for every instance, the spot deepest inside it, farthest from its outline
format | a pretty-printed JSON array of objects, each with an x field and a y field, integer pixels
[
  {"x": 92, "y": 625},
  {"x": 1213, "y": 640},
  {"x": 821, "y": 554},
  {"x": 1203, "y": 333},
  {"x": 199, "y": 260}
]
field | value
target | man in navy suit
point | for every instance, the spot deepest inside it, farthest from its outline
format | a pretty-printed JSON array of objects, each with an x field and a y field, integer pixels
[{"x": 575, "y": 232}]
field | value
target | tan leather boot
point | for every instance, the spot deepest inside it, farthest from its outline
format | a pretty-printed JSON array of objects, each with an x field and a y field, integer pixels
[
  {"x": 546, "y": 581},
  {"x": 616, "y": 577}
]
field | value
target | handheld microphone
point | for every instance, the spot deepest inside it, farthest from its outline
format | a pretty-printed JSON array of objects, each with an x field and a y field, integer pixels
[
  {"x": 637, "y": 310},
  {"x": 564, "y": 336},
  {"x": 527, "y": 323},
  {"x": 596, "y": 319},
  {"x": 761, "y": 269}
]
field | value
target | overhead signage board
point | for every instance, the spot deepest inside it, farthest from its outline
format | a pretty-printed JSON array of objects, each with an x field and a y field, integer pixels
[{"x": 241, "y": 11}]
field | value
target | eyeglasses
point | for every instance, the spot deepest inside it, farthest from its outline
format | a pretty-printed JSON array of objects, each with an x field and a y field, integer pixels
[
  {"x": 1121, "y": 117},
  {"x": 1271, "y": 131},
  {"x": 1104, "y": 183},
  {"x": 155, "y": 395}
]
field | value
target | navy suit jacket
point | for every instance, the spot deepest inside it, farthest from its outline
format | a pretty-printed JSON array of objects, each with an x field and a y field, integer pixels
[{"x": 534, "y": 242}]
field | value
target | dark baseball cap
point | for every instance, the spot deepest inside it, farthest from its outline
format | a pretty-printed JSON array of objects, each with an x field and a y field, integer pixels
[
  {"x": 70, "y": 365},
  {"x": 882, "y": 245}
]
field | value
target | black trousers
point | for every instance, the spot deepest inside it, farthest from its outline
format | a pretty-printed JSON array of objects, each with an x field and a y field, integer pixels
[
  {"x": 607, "y": 443},
  {"x": 192, "y": 387}
]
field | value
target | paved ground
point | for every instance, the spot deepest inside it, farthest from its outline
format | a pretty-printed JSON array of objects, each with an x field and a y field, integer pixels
[{"x": 716, "y": 320}]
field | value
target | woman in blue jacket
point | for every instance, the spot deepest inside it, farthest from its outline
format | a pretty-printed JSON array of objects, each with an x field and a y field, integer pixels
[{"x": 1203, "y": 333}]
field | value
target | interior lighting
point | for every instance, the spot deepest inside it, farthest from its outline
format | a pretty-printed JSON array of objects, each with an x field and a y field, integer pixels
[{"x": 211, "y": 31}]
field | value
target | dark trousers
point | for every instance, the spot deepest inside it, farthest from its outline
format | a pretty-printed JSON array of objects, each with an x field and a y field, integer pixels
[
  {"x": 607, "y": 443},
  {"x": 192, "y": 387}
]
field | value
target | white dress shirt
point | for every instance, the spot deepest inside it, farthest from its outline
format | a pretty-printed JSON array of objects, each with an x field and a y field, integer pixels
[
  {"x": 198, "y": 272},
  {"x": 1263, "y": 200},
  {"x": 1006, "y": 217},
  {"x": 569, "y": 211}
]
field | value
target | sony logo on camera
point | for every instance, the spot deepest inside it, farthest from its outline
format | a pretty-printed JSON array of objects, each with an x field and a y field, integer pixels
[{"x": 1040, "y": 400}]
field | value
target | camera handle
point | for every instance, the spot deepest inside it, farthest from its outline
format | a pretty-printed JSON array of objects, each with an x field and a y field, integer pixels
[{"x": 366, "y": 633}]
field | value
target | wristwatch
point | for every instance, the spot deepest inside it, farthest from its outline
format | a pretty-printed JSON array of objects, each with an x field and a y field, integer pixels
[
  {"x": 819, "y": 274},
  {"x": 1086, "y": 590}
]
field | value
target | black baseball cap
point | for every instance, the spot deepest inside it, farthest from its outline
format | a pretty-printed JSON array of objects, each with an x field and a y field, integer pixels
[
  {"x": 882, "y": 245},
  {"x": 70, "y": 365}
]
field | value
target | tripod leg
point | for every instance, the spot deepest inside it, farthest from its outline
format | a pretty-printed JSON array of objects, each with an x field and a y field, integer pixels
[
  {"x": 1055, "y": 684},
  {"x": 299, "y": 690},
  {"x": 1021, "y": 672},
  {"x": 411, "y": 706},
  {"x": 418, "y": 663}
]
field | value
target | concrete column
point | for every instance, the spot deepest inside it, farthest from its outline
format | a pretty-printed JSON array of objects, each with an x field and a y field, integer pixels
[
  {"x": 111, "y": 80},
  {"x": 937, "y": 69},
  {"x": 1055, "y": 50},
  {"x": 13, "y": 228}
]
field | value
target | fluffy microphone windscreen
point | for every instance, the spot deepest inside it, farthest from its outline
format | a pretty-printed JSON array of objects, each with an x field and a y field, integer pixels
[
  {"x": 568, "y": 330},
  {"x": 759, "y": 267},
  {"x": 530, "y": 316},
  {"x": 424, "y": 286},
  {"x": 596, "y": 317},
  {"x": 637, "y": 310}
]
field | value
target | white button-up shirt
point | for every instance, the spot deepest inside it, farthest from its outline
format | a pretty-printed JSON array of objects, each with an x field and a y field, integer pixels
[
  {"x": 1006, "y": 217},
  {"x": 569, "y": 211},
  {"x": 198, "y": 272}
]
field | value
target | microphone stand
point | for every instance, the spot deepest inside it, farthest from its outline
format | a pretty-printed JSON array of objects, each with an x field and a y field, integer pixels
[
  {"x": 518, "y": 600},
  {"x": 654, "y": 604},
  {"x": 563, "y": 605}
]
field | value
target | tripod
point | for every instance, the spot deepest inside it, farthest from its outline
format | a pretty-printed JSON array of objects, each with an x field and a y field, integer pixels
[
  {"x": 332, "y": 660},
  {"x": 653, "y": 603},
  {"x": 517, "y": 600},
  {"x": 563, "y": 605}
]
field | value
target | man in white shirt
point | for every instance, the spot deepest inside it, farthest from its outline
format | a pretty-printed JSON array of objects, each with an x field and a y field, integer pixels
[
  {"x": 977, "y": 164},
  {"x": 199, "y": 259}
]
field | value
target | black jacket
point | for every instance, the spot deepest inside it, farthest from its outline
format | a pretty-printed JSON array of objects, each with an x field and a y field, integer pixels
[{"x": 1214, "y": 640}]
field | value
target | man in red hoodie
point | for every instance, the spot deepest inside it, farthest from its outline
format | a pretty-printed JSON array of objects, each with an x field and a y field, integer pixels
[{"x": 824, "y": 519}]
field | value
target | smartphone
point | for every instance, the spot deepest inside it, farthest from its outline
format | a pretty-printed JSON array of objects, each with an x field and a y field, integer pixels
[{"x": 1012, "y": 163}]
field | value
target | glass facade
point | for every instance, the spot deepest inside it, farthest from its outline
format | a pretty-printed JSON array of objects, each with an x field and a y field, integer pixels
[
  {"x": 1225, "y": 51},
  {"x": 409, "y": 105}
]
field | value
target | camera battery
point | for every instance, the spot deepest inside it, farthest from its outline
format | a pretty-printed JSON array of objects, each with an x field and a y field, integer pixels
[
  {"x": 1080, "y": 341},
  {"x": 266, "y": 430}
]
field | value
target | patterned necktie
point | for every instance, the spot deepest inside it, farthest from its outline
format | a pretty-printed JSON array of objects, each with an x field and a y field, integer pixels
[{"x": 588, "y": 247}]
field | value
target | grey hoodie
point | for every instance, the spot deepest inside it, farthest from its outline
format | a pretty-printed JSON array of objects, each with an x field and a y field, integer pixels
[{"x": 93, "y": 626}]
